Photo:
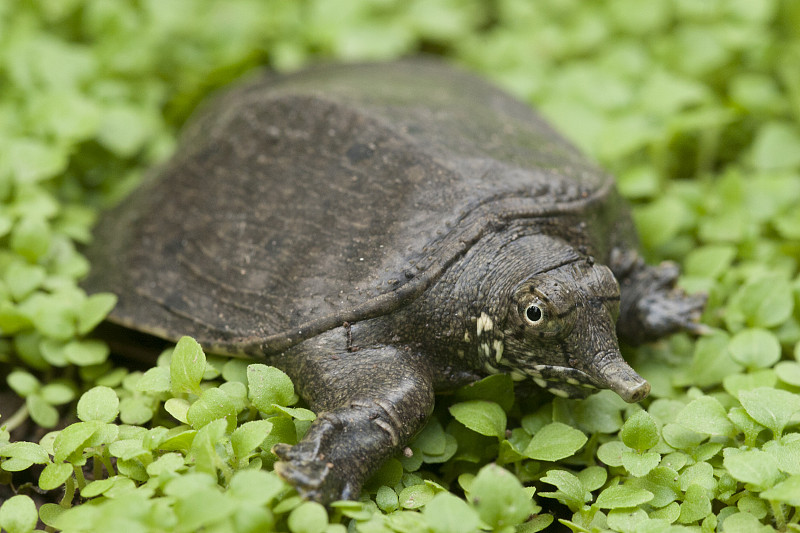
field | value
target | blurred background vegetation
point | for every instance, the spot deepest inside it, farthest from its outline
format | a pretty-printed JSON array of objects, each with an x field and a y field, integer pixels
[{"x": 694, "y": 105}]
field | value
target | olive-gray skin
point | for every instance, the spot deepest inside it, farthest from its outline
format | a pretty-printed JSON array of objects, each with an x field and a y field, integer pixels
[{"x": 383, "y": 232}]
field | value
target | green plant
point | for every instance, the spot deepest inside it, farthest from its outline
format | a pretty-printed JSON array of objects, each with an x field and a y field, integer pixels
[{"x": 693, "y": 105}]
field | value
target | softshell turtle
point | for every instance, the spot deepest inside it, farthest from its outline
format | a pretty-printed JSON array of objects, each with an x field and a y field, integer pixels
[{"x": 382, "y": 232}]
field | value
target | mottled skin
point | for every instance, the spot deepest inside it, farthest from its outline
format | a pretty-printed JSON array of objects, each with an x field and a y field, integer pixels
[{"x": 382, "y": 233}]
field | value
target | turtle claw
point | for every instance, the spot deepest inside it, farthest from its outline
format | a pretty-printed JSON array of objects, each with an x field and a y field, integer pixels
[
  {"x": 313, "y": 466},
  {"x": 653, "y": 307},
  {"x": 307, "y": 477},
  {"x": 663, "y": 313}
]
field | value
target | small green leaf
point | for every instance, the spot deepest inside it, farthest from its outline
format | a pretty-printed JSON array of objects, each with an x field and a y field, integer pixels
[
  {"x": 448, "y": 514},
  {"x": 308, "y": 517},
  {"x": 680, "y": 437},
  {"x": 536, "y": 523},
  {"x": 135, "y": 410},
  {"x": 787, "y": 491},
  {"x": 711, "y": 362},
  {"x": 415, "y": 496},
  {"x": 166, "y": 464},
  {"x": 18, "y": 515},
  {"x": 98, "y": 403},
  {"x": 663, "y": 483},
  {"x": 709, "y": 261},
  {"x": 735, "y": 383},
  {"x": 298, "y": 413},
  {"x": 763, "y": 302},
  {"x": 622, "y": 496},
  {"x": 696, "y": 505},
  {"x": 660, "y": 220},
  {"x": 23, "y": 383},
  {"x": 786, "y": 454},
  {"x": 744, "y": 523},
  {"x": 599, "y": 413},
  {"x": 98, "y": 487},
  {"x": 754, "y": 505},
  {"x": 640, "y": 431},
  {"x": 204, "y": 447},
  {"x": 31, "y": 238},
  {"x": 752, "y": 466},
  {"x": 54, "y": 475},
  {"x": 639, "y": 464},
  {"x": 698, "y": 474},
  {"x": 772, "y": 408},
  {"x": 257, "y": 487},
  {"x": 705, "y": 415},
  {"x": 187, "y": 366},
  {"x": 593, "y": 477},
  {"x": 486, "y": 418},
  {"x": 611, "y": 452},
  {"x": 23, "y": 278},
  {"x": 26, "y": 451},
  {"x": 93, "y": 310},
  {"x": 178, "y": 408},
  {"x": 571, "y": 491},
  {"x": 755, "y": 348},
  {"x": 249, "y": 436},
  {"x": 555, "y": 441},
  {"x": 70, "y": 441},
  {"x": 745, "y": 423},
  {"x": 56, "y": 393},
  {"x": 626, "y": 519},
  {"x": 41, "y": 412},
  {"x": 431, "y": 440},
  {"x": 499, "y": 497},
  {"x": 497, "y": 388},
  {"x": 203, "y": 507},
  {"x": 267, "y": 385},
  {"x": 127, "y": 449},
  {"x": 86, "y": 352},
  {"x": 235, "y": 370},
  {"x": 387, "y": 499},
  {"x": 124, "y": 129},
  {"x": 212, "y": 404},
  {"x": 788, "y": 372},
  {"x": 777, "y": 145}
]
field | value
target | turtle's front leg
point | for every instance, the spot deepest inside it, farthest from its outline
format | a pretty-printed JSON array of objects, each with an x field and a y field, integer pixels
[
  {"x": 372, "y": 402},
  {"x": 651, "y": 306}
]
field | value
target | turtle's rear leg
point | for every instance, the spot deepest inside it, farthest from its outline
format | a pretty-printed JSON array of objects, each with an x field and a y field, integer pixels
[
  {"x": 371, "y": 401},
  {"x": 651, "y": 305}
]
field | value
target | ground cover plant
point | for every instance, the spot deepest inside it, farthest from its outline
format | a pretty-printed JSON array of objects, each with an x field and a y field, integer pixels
[{"x": 693, "y": 105}]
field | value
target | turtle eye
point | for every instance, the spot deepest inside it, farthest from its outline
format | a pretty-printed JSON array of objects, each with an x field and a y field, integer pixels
[{"x": 534, "y": 314}]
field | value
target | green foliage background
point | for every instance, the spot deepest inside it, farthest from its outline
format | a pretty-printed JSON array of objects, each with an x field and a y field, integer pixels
[{"x": 693, "y": 104}]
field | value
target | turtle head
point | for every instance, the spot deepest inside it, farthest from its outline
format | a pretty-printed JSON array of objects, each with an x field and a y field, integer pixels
[{"x": 560, "y": 328}]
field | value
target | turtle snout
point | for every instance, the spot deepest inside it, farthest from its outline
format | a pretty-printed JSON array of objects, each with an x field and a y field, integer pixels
[{"x": 610, "y": 371}]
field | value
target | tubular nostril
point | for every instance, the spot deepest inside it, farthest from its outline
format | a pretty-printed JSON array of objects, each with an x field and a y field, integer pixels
[
  {"x": 611, "y": 371},
  {"x": 637, "y": 393}
]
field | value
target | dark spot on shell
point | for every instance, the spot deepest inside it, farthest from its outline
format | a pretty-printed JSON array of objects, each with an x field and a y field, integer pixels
[{"x": 358, "y": 153}]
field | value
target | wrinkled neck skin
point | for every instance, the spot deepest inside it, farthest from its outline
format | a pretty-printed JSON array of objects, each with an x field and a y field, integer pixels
[{"x": 533, "y": 307}]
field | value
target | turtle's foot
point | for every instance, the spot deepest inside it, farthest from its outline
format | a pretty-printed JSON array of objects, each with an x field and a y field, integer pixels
[
  {"x": 653, "y": 307},
  {"x": 311, "y": 469},
  {"x": 314, "y": 479}
]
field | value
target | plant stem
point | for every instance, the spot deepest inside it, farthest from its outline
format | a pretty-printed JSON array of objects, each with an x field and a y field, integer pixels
[
  {"x": 780, "y": 518},
  {"x": 17, "y": 419},
  {"x": 69, "y": 493}
]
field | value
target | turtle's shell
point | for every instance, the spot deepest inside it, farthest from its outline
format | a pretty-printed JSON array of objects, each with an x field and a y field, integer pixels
[{"x": 297, "y": 203}]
